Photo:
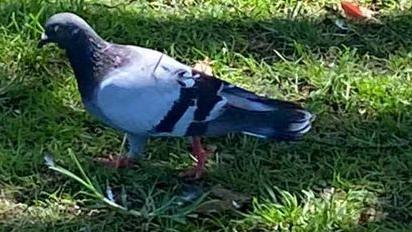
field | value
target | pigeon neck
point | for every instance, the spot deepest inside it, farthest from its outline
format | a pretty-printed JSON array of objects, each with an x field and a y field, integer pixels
[{"x": 85, "y": 55}]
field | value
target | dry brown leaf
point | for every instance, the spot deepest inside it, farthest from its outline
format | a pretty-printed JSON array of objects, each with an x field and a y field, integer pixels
[
  {"x": 204, "y": 66},
  {"x": 371, "y": 215},
  {"x": 228, "y": 200},
  {"x": 354, "y": 11},
  {"x": 229, "y": 195},
  {"x": 214, "y": 206}
]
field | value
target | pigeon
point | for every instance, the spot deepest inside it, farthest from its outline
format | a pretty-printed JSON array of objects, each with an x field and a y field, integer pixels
[{"x": 145, "y": 93}]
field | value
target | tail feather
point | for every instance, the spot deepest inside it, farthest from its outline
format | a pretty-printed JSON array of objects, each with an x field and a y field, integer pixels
[
  {"x": 282, "y": 124},
  {"x": 259, "y": 116},
  {"x": 286, "y": 121}
]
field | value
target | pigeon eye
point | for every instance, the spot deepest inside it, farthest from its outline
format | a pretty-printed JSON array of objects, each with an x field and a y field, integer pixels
[{"x": 56, "y": 28}]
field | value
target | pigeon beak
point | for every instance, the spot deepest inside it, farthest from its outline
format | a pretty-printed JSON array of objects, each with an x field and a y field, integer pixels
[{"x": 43, "y": 40}]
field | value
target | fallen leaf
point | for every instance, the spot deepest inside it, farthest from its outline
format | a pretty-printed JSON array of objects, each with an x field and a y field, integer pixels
[
  {"x": 231, "y": 198},
  {"x": 371, "y": 215},
  {"x": 220, "y": 198},
  {"x": 214, "y": 206},
  {"x": 204, "y": 66},
  {"x": 225, "y": 200},
  {"x": 229, "y": 195},
  {"x": 351, "y": 10},
  {"x": 354, "y": 11}
]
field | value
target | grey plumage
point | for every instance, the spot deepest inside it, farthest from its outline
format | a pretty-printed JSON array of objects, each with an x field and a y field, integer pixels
[{"x": 146, "y": 93}]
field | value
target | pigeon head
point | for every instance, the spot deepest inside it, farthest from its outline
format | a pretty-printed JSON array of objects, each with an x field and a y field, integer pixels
[{"x": 67, "y": 30}]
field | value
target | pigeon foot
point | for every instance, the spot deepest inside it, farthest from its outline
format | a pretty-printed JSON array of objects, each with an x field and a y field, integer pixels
[{"x": 201, "y": 155}]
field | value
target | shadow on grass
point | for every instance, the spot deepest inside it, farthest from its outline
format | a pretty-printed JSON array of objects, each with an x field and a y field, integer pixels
[
  {"x": 239, "y": 33},
  {"x": 306, "y": 165}
]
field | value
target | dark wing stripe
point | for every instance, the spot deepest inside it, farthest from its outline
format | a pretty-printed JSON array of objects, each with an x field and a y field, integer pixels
[
  {"x": 204, "y": 93},
  {"x": 180, "y": 106},
  {"x": 205, "y": 106},
  {"x": 207, "y": 90},
  {"x": 196, "y": 129}
]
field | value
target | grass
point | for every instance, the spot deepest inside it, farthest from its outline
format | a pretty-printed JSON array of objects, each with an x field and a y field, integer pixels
[{"x": 351, "y": 173}]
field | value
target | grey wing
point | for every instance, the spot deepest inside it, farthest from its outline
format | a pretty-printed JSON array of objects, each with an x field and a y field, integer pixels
[{"x": 162, "y": 97}]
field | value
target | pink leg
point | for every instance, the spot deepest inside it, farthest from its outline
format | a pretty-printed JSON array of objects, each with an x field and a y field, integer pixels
[{"x": 201, "y": 155}]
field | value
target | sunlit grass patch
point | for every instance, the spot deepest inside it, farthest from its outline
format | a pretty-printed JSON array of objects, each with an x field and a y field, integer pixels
[
  {"x": 329, "y": 210},
  {"x": 351, "y": 173}
]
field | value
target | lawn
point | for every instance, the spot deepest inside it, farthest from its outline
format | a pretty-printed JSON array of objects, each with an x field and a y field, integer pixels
[{"x": 352, "y": 172}]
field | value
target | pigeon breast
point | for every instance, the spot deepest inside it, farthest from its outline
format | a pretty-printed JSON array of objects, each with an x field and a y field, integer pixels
[{"x": 137, "y": 96}]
